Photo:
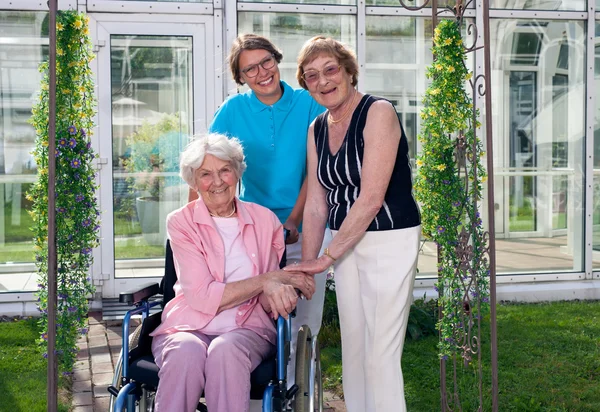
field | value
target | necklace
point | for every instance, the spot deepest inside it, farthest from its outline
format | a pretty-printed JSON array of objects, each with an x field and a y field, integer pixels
[
  {"x": 347, "y": 110},
  {"x": 217, "y": 215}
]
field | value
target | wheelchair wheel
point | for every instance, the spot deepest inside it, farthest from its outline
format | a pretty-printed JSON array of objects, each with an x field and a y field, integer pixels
[
  {"x": 301, "y": 402},
  {"x": 316, "y": 379}
]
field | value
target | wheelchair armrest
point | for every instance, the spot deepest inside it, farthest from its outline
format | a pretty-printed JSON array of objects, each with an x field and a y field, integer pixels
[{"x": 131, "y": 298}]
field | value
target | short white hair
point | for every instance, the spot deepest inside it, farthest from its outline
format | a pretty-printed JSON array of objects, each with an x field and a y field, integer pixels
[{"x": 218, "y": 145}]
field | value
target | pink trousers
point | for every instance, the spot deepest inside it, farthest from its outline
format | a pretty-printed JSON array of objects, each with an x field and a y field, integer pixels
[{"x": 191, "y": 363}]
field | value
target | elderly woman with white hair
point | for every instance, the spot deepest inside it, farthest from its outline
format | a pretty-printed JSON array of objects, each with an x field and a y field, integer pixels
[{"x": 217, "y": 329}]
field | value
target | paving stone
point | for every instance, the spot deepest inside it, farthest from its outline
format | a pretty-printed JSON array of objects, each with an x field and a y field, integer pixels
[
  {"x": 81, "y": 365},
  {"x": 102, "y": 378},
  {"x": 82, "y": 386},
  {"x": 96, "y": 330},
  {"x": 82, "y": 344},
  {"x": 94, "y": 318},
  {"x": 88, "y": 408},
  {"x": 99, "y": 358},
  {"x": 82, "y": 375},
  {"x": 95, "y": 341},
  {"x": 101, "y": 391},
  {"x": 102, "y": 368},
  {"x": 101, "y": 404},
  {"x": 82, "y": 399},
  {"x": 83, "y": 355},
  {"x": 98, "y": 350}
]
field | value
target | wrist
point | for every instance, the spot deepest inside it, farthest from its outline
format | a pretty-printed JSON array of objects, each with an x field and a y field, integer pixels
[{"x": 328, "y": 255}]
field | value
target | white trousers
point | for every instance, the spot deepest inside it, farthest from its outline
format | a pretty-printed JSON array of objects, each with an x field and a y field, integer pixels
[
  {"x": 308, "y": 312},
  {"x": 374, "y": 284}
]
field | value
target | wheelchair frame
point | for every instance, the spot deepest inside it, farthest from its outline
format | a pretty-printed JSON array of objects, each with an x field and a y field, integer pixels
[{"x": 277, "y": 397}]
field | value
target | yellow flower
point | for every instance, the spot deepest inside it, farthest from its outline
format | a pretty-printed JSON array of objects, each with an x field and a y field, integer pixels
[
  {"x": 434, "y": 92},
  {"x": 459, "y": 41},
  {"x": 482, "y": 154},
  {"x": 468, "y": 76},
  {"x": 438, "y": 66},
  {"x": 78, "y": 24},
  {"x": 484, "y": 179},
  {"x": 45, "y": 86},
  {"x": 59, "y": 26},
  {"x": 82, "y": 89},
  {"x": 451, "y": 69},
  {"x": 86, "y": 31},
  {"x": 448, "y": 42},
  {"x": 419, "y": 163},
  {"x": 45, "y": 143},
  {"x": 66, "y": 91},
  {"x": 59, "y": 52},
  {"x": 441, "y": 167}
]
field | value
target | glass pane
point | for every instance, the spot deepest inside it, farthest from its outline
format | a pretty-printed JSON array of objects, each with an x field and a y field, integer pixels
[
  {"x": 151, "y": 81},
  {"x": 289, "y": 31},
  {"x": 167, "y": 1},
  {"x": 23, "y": 46},
  {"x": 322, "y": 2},
  {"x": 539, "y": 4},
  {"x": 539, "y": 133},
  {"x": 596, "y": 216}
]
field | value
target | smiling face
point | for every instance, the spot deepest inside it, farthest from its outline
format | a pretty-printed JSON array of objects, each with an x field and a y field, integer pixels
[
  {"x": 329, "y": 91},
  {"x": 216, "y": 181},
  {"x": 266, "y": 83}
]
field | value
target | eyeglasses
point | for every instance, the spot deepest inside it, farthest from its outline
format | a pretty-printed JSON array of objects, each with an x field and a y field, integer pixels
[
  {"x": 266, "y": 63},
  {"x": 312, "y": 76},
  {"x": 209, "y": 177}
]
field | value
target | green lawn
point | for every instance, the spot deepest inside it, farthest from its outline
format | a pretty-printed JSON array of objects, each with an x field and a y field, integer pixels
[
  {"x": 23, "y": 369},
  {"x": 548, "y": 356}
]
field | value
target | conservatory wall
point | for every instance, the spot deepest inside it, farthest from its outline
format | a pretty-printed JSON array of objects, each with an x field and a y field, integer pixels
[{"x": 161, "y": 74}]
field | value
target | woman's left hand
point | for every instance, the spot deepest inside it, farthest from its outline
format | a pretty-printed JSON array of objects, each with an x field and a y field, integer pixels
[{"x": 312, "y": 267}]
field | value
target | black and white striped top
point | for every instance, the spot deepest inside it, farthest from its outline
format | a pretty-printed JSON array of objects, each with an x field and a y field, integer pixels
[{"x": 340, "y": 175}]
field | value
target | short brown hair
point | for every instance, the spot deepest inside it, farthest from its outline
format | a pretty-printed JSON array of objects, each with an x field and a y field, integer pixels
[
  {"x": 249, "y": 42},
  {"x": 319, "y": 45}
]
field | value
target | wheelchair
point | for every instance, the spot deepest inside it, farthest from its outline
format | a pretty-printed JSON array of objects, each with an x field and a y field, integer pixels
[{"x": 136, "y": 375}]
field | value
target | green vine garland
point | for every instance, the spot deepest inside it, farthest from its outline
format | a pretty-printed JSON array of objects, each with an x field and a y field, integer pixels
[
  {"x": 77, "y": 221},
  {"x": 448, "y": 186}
]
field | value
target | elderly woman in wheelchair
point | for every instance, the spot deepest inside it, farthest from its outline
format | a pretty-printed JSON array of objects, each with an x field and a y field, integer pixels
[{"x": 219, "y": 326}]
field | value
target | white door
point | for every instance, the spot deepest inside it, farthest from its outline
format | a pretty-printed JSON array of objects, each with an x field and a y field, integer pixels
[{"x": 154, "y": 93}]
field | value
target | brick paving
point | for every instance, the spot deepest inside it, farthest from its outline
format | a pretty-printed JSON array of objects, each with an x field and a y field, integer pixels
[{"x": 96, "y": 360}]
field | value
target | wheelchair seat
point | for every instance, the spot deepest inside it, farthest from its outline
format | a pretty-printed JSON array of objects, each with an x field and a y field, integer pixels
[{"x": 142, "y": 368}]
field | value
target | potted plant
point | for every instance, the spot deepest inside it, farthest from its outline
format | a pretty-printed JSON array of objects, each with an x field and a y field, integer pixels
[{"x": 152, "y": 159}]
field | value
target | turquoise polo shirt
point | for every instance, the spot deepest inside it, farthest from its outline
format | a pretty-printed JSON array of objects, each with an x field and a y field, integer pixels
[{"x": 274, "y": 141}]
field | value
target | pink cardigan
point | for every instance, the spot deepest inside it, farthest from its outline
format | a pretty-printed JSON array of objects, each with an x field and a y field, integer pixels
[{"x": 200, "y": 265}]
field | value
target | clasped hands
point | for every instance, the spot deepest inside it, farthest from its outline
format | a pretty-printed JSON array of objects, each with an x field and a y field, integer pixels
[{"x": 280, "y": 291}]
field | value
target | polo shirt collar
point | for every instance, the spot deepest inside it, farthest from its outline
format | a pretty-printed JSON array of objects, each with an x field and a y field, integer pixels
[
  {"x": 282, "y": 104},
  {"x": 203, "y": 217}
]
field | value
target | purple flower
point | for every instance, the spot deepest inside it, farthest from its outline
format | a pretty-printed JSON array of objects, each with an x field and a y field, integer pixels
[
  {"x": 446, "y": 182},
  {"x": 445, "y": 357},
  {"x": 88, "y": 145},
  {"x": 77, "y": 176},
  {"x": 45, "y": 355},
  {"x": 75, "y": 163},
  {"x": 56, "y": 153},
  {"x": 72, "y": 309},
  {"x": 86, "y": 222},
  {"x": 61, "y": 210},
  {"x": 83, "y": 133},
  {"x": 72, "y": 142},
  {"x": 62, "y": 142},
  {"x": 86, "y": 250},
  {"x": 72, "y": 130},
  {"x": 441, "y": 229},
  {"x": 456, "y": 204},
  {"x": 79, "y": 198},
  {"x": 44, "y": 336}
]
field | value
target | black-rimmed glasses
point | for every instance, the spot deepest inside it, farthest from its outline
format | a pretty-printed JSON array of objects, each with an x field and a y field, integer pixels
[{"x": 266, "y": 63}]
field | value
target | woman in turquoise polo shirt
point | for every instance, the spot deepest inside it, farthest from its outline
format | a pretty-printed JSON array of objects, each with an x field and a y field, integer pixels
[{"x": 271, "y": 120}]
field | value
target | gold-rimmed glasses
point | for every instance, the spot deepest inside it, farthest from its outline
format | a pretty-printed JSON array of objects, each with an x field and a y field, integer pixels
[{"x": 312, "y": 76}]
